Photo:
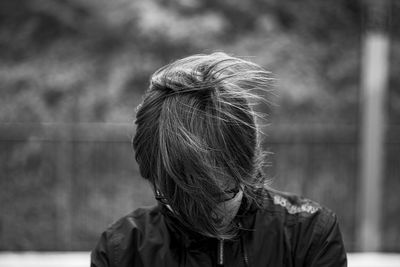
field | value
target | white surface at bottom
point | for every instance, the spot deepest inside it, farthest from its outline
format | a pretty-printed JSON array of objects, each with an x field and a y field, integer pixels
[
  {"x": 44, "y": 259},
  {"x": 82, "y": 259},
  {"x": 373, "y": 260}
]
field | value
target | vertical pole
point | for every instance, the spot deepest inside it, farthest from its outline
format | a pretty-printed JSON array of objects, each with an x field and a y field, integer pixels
[
  {"x": 65, "y": 172},
  {"x": 374, "y": 82},
  {"x": 63, "y": 191}
]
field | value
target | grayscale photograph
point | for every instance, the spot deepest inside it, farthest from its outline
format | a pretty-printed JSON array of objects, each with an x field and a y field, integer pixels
[{"x": 232, "y": 133}]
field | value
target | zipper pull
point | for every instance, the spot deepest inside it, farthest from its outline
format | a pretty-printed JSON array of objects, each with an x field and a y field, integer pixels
[
  {"x": 244, "y": 249},
  {"x": 220, "y": 253}
]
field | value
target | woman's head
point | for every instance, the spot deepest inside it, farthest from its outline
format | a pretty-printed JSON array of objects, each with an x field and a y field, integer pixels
[{"x": 197, "y": 140}]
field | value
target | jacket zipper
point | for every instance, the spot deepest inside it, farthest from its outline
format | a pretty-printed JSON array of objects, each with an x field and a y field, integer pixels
[
  {"x": 244, "y": 250},
  {"x": 220, "y": 253}
]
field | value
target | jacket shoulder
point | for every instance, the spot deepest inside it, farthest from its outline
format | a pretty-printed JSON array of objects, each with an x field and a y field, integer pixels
[
  {"x": 121, "y": 236},
  {"x": 299, "y": 214},
  {"x": 313, "y": 230},
  {"x": 136, "y": 219},
  {"x": 291, "y": 204}
]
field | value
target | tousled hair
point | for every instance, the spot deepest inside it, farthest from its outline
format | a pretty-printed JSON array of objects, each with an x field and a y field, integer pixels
[{"x": 197, "y": 136}]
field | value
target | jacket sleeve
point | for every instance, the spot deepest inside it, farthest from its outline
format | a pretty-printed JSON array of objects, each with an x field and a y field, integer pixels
[
  {"x": 327, "y": 249},
  {"x": 100, "y": 256}
]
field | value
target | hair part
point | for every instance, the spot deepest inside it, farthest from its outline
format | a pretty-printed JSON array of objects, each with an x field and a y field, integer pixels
[{"x": 197, "y": 136}]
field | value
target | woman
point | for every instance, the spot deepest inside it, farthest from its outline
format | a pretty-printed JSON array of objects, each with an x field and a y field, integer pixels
[{"x": 198, "y": 144}]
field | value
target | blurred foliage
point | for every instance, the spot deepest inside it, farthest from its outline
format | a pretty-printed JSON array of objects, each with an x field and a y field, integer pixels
[
  {"x": 102, "y": 52},
  {"x": 70, "y": 61}
]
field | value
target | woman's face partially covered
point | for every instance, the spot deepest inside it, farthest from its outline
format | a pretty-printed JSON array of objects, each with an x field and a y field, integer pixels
[
  {"x": 228, "y": 209},
  {"x": 197, "y": 140}
]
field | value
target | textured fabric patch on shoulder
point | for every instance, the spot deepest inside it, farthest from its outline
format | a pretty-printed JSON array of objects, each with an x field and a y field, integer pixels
[{"x": 293, "y": 209}]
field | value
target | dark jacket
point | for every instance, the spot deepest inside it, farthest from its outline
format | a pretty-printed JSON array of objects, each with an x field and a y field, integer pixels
[{"x": 285, "y": 231}]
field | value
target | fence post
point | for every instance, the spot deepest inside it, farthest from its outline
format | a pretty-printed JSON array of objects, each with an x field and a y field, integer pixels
[
  {"x": 374, "y": 74},
  {"x": 63, "y": 191}
]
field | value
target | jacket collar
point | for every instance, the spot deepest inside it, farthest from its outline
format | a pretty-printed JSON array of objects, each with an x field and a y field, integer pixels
[{"x": 191, "y": 239}]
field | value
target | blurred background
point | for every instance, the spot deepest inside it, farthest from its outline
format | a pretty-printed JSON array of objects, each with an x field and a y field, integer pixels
[{"x": 73, "y": 71}]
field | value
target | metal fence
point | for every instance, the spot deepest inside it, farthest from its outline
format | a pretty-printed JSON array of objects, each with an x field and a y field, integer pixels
[{"x": 62, "y": 184}]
